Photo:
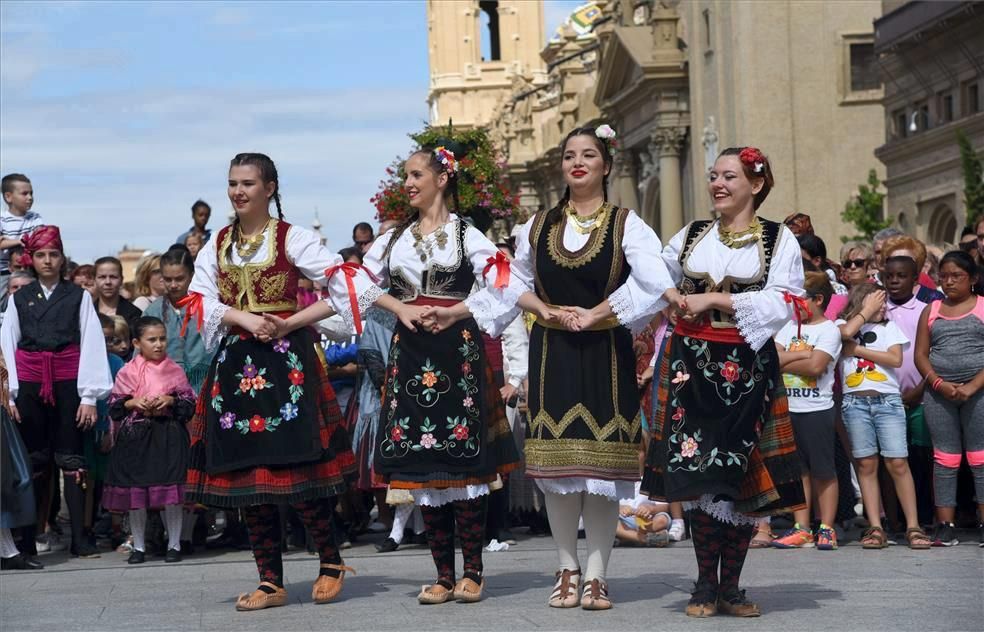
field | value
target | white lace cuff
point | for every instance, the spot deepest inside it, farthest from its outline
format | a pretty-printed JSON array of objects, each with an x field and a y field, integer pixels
[
  {"x": 751, "y": 327},
  {"x": 627, "y": 312},
  {"x": 369, "y": 296},
  {"x": 493, "y": 310},
  {"x": 214, "y": 330}
]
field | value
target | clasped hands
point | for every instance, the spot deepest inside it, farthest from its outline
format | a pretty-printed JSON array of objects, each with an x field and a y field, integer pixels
[{"x": 150, "y": 406}]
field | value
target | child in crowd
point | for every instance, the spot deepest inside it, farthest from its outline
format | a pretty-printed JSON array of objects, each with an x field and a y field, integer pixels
[
  {"x": 121, "y": 338},
  {"x": 901, "y": 277},
  {"x": 950, "y": 355},
  {"x": 59, "y": 371},
  {"x": 873, "y": 411},
  {"x": 149, "y": 406},
  {"x": 194, "y": 242},
  {"x": 16, "y": 221},
  {"x": 84, "y": 276},
  {"x": 808, "y": 350},
  {"x": 642, "y": 522}
]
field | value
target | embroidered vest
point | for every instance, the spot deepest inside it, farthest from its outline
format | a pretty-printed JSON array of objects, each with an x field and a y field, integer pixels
[
  {"x": 700, "y": 283},
  {"x": 453, "y": 281},
  {"x": 48, "y": 324},
  {"x": 266, "y": 284},
  {"x": 583, "y": 278}
]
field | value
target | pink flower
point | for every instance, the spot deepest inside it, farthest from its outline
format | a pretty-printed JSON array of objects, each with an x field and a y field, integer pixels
[
  {"x": 468, "y": 402},
  {"x": 427, "y": 440},
  {"x": 680, "y": 412},
  {"x": 466, "y": 367},
  {"x": 688, "y": 448},
  {"x": 681, "y": 377}
]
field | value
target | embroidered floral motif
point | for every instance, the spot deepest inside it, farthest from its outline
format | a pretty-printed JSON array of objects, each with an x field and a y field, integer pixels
[
  {"x": 256, "y": 423},
  {"x": 427, "y": 441},
  {"x": 281, "y": 345},
  {"x": 434, "y": 381},
  {"x": 689, "y": 447},
  {"x": 730, "y": 372},
  {"x": 296, "y": 377},
  {"x": 227, "y": 420},
  {"x": 681, "y": 377},
  {"x": 289, "y": 411},
  {"x": 251, "y": 379}
]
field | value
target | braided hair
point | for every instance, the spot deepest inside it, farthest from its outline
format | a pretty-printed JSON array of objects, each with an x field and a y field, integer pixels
[
  {"x": 555, "y": 214},
  {"x": 268, "y": 173},
  {"x": 450, "y": 192}
]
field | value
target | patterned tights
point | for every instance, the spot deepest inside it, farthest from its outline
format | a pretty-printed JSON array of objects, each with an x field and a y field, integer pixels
[
  {"x": 263, "y": 524},
  {"x": 439, "y": 522},
  {"x": 719, "y": 542}
]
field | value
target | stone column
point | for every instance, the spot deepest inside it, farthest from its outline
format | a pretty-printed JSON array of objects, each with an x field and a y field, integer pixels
[
  {"x": 669, "y": 142},
  {"x": 622, "y": 184}
]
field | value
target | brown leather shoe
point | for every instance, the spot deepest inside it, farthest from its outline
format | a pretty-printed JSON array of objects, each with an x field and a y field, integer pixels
[
  {"x": 467, "y": 591},
  {"x": 733, "y": 602},
  {"x": 327, "y": 588},
  {"x": 703, "y": 601},
  {"x": 434, "y": 594},
  {"x": 259, "y": 599},
  {"x": 595, "y": 596}
]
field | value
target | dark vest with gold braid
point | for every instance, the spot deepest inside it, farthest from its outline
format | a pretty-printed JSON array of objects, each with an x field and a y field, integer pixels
[{"x": 584, "y": 401}]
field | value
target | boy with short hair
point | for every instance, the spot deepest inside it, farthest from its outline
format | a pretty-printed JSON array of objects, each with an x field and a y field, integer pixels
[
  {"x": 16, "y": 220},
  {"x": 808, "y": 351}
]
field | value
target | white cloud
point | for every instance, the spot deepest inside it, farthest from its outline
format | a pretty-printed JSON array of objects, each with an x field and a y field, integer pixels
[{"x": 124, "y": 168}]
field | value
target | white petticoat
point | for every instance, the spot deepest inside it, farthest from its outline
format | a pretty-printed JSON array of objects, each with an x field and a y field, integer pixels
[
  {"x": 431, "y": 497},
  {"x": 613, "y": 490}
]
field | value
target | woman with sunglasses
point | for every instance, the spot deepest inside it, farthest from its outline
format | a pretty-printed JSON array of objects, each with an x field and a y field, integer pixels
[{"x": 856, "y": 257}]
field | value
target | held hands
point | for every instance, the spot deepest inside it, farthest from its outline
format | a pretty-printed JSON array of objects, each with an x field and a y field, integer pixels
[
  {"x": 436, "y": 319},
  {"x": 275, "y": 327}
]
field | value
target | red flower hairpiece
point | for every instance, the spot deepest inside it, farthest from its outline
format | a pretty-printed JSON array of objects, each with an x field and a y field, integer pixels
[{"x": 752, "y": 157}]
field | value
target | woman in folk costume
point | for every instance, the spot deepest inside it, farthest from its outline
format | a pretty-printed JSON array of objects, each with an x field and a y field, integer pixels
[
  {"x": 443, "y": 437},
  {"x": 187, "y": 350},
  {"x": 722, "y": 438},
  {"x": 59, "y": 371},
  {"x": 602, "y": 264},
  {"x": 17, "y": 508},
  {"x": 267, "y": 426}
]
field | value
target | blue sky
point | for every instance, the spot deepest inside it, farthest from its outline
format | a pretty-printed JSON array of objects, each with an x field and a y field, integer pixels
[{"x": 123, "y": 113}]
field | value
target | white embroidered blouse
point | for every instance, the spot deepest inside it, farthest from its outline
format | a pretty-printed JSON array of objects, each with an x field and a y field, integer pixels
[
  {"x": 305, "y": 251},
  {"x": 759, "y": 314}
]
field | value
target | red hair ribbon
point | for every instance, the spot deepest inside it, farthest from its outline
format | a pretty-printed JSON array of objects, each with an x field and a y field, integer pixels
[
  {"x": 801, "y": 309},
  {"x": 349, "y": 269},
  {"x": 501, "y": 264},
  {"x": 193, "y": 301}
]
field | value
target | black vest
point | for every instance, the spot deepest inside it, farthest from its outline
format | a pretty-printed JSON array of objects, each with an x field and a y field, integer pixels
[
  {"x": 453, "y": 282},
  {"x": 49, "y": 324}
]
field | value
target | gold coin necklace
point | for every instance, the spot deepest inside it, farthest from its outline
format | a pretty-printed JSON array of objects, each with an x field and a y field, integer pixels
[
  {"x": 740, "y": 238},
  {"x": 246, "y": 247},
  {"x": 424, "y": 248},
  {"x": 586, "y": 224}
]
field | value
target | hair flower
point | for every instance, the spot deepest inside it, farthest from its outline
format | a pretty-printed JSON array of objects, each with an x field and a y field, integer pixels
[
  {"x": 758, "y": 167},
  {"x": 605, "y": 132},
  {"x": 752, "y": 157},
  {"x": 446, "y": 156}
]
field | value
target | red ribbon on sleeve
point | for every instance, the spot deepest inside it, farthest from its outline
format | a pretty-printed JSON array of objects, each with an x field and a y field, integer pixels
[
  {"x": 501, "y": 264},
  {"x": 349, "y": 269},
  {"x": 801, "y": 309},
  {"x": 193, "y": 301}
]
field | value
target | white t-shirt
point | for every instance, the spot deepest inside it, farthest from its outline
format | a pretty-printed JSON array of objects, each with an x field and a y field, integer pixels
[
  {"x": 810, "y": 394},
  {"x": 864, "y": 375}
]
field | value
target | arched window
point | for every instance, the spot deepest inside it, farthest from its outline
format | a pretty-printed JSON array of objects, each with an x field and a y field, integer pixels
[
  {"x": 490, "y": 30},
  {"x": 943, "y": 225}
]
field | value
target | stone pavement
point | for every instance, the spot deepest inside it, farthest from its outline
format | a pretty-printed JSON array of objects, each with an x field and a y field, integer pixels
[{"x": 850, "y": 589}]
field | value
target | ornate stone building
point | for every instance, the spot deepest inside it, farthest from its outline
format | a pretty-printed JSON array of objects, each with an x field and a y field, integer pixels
[
  {"x": 932, "y": 64},
  {"x": 679, "y": 80}
]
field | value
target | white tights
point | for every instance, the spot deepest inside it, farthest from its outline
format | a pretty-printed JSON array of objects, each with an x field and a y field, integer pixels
[
  {"x": 600, "y": 516},
  {"x": 172, "y": 522},
  {"x": 404, "y": 514}
]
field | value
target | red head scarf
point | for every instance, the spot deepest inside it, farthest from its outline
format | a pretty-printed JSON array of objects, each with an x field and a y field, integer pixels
[{"x": 43, "y": 238}]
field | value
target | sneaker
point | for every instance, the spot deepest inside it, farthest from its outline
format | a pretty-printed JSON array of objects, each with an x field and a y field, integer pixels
[
  {"x": 50, "y": 542},
  {"x": 85, "y": 551},
  {"x": 678, "y": 531},
  {"x": 826, "y": 538},
  {"x": 944, "y": 535},
  {"x": 795, "y": 538}
]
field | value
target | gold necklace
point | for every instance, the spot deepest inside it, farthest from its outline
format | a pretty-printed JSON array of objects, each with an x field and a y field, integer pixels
[
  {"x": 586, "y": 224},
  {"x": 424, "y": 248},
  {"x": 739, "y": 238},
  {"x": 246, "y": 247}
]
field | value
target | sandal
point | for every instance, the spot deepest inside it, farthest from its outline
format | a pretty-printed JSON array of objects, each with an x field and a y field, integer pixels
[
  {"x": 762, "y": 540},
  {"x": 874, "y": 538},
  {"x": 595, "y": 596},
  {"x": 437, "y": 593},
  {"x": 261, "y": 599},
  {"x": 327, "y": 587},
  {"x": 918, "y": 540},
  {"x": 468, "y": 591},
  {"x": 564, "y": 594}
]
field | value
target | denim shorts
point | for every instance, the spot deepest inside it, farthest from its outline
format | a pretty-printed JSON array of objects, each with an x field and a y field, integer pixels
[{"x": 875, "y": 424}]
